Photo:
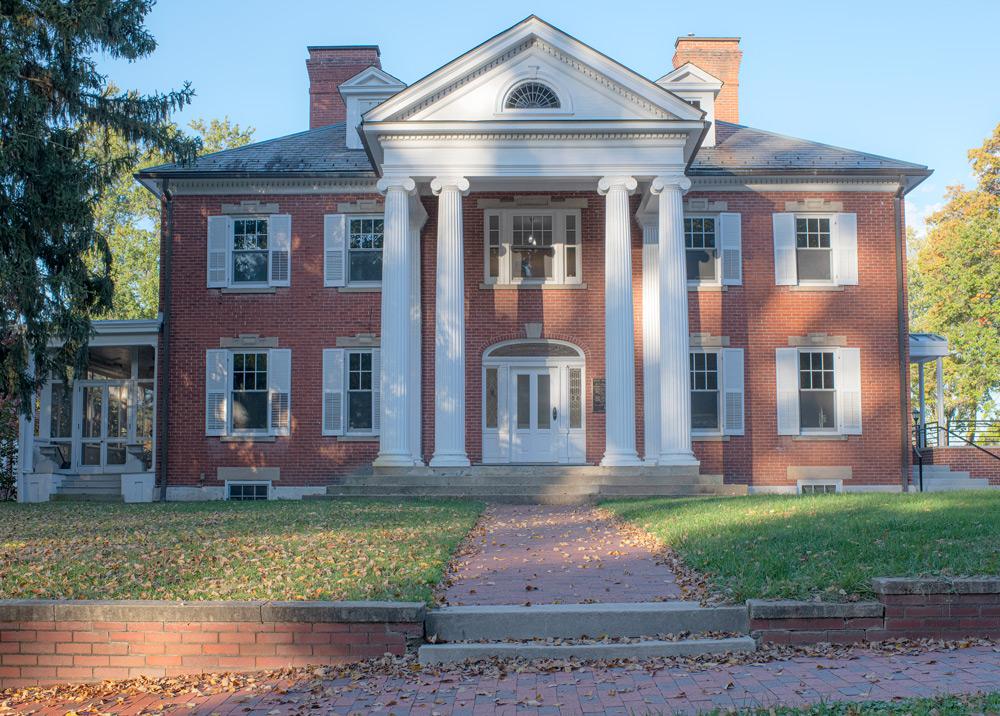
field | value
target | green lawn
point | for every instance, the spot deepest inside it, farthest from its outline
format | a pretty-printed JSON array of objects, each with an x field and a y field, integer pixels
[
  {"x": 329, "y": 550},
  {"x": 937, "y": 706},
  {"x": 829, "y": 545}
]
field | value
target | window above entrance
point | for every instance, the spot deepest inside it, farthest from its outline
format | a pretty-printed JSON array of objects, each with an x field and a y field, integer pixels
[
  {"x": 533, "y": 349},
  {"x": 533, "y": 247}
]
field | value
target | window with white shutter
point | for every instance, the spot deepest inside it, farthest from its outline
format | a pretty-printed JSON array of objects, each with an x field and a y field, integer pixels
[
  {"x": 732, "y": 391},
  {"x": 848, "y": 368},
  {"x": 730, "y": 225},
  {"x": 248, "y": 392},
  {"x": 216, "y": 392},
  {"x": 249, "y": 252},
  {"x": 280, "y": 226},
  {"x": 815, "y": 249},
  {"x": 280, "y": 390},
  {"x": 785, "y": 273},
  {"x": 787, "y": 369},
  {"x": 818, "y": 390},
  {"x": 333, "y": 391},
  {"x": 220, "y": 231},
  {"x": 335, "y": 250},
  {"x": 845, "y": 249}
]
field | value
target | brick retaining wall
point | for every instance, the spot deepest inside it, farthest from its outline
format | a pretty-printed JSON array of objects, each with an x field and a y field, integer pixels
[
  {"x": 966, "y": 459},
  {"x": 936, "y": 608},
  {"x": 44, "y": 642}
]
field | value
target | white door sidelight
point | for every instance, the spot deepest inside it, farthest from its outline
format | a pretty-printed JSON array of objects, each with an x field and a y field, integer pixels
[
  {"x": 818, "y": 391},
  {"x": 815, "y": 249}
]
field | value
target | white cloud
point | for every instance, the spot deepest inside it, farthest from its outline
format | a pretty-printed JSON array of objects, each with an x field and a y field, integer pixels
[{"x": 917, "y": 213}]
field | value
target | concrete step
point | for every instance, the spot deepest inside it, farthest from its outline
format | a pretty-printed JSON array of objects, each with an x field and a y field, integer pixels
[
  {"x": 953, "y": 485},
  {"x": 578, "y": 621},
  {"x": 528, "y": 481},
  {"x": 645, "y": 649},
  {"x": 589, "y": 471},
  {"x": 86, "y": 497},
  {"x": 940, "y": 471}
]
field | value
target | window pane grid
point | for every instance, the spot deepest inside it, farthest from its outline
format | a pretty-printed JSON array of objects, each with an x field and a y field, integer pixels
[
  {"x": 359, "y": 391},
  {"x": 699, "y": 232},
  {"x": 704, "y": 369},
  {"x": 250, "y": 256},
  {"x": 817, "y": 393},
  {"x": 812, "y": 233},
  {"x": 365, "y": 240},
  {"x": 249, "y": 392}
]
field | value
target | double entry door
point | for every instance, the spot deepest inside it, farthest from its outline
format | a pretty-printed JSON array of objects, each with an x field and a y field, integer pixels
[
  {"x": 536, "y": 404},
  {"x": 104, "y": 425}
]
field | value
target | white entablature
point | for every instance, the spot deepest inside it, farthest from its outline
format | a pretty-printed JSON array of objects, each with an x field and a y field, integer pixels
[{"x": 601, "y": 118}]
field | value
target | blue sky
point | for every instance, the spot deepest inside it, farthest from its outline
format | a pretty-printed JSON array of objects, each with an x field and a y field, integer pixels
[{"x": 916, "y": 80}]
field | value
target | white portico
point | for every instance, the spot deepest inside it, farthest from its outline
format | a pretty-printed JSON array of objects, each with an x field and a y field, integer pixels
[{"x": 534, "y": 110}]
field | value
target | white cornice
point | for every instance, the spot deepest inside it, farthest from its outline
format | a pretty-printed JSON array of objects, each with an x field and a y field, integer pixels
[
  {"x": 779, "y": 182},
  {"x": 201, "y": 187}
]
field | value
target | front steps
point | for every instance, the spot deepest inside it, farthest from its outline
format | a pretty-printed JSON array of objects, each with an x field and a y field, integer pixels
[
  {"x": 584, "y": 631},
  {"x": 89, "y": 488},
  {"x": 555, "y": 484},
  {"x": 941, "y": 478}
]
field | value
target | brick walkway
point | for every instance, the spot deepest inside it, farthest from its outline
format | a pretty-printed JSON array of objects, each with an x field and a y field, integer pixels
[
  {"x": 860, "y": 676},
  {"x": 545, "y": 555}
]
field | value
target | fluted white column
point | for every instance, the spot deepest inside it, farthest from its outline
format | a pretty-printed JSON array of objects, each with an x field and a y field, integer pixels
[
  {"x": 619, "y": 337},
  {"x": 449, "y": 326},
  {"x": 395, "y": 379},
  {"x": 675, "y": 395},
  {"x": 651, "y": 342}
]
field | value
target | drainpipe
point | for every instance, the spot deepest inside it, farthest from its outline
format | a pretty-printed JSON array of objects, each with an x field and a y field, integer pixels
[
  {"x": 164, "y": 374},
  {"x": 901, "y": 323}
]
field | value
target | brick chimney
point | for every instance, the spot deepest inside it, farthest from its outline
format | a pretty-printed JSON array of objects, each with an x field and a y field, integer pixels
[
  {"x": 721, "y": 57},
  {"x": 328, "y": 68}
]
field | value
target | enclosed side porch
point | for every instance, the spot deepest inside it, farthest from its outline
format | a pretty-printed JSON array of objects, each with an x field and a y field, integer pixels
[{"x": 92, "y": 434}]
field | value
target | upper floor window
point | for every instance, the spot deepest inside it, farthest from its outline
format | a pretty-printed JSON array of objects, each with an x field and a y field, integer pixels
[
  {"x": 700, "y": 248},
  {"x": 250, "y": 251},
  {"x": 813, "y": 251},
  {"x": 366, "y": 234},
  {"x": 533, "y": 247},
  {"x": 532, "y": 95}
]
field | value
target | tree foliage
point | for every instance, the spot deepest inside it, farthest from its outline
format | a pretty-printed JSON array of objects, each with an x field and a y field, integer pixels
[
  {"x": 129, "y": 216},
  {"x": 955, "y": 287},
  {"x": 55, "y": 260}
]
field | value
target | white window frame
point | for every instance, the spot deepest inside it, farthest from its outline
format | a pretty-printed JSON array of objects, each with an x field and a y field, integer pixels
[
  {"x": 717, "y": 258},
  {"x": 506, "y": 275},
  {"x": 831, "y": 218},
  {"x": 835, "y": 428},
  {"x": 349, "y": 280},
  {"x": 720, "y": 422},
  {"x": 373, "y": 390},
  {"x": 230, "y": 430},
  {"x": 243, "y": 483},
  {"x": 232, "y": 253},
  {"x": 838, "y": 484}
]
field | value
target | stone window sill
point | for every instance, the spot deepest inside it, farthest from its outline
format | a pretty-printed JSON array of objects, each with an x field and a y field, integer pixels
[
  {"x": 357, "y": 438},
  {"x": 707, "y": 287},
  {"x": 359, "y": 289},
  {"x": 709, "y": 438},
  {"x": 247, "y": 439},
  {"x": 820, "y": 438},
  {"x": 815, "y": 287},
  {"x": 248, "y": 289},
  {"x": 532, "y": 286}
]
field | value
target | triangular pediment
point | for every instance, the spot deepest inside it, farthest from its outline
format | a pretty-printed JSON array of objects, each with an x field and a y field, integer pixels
[
  {"x": 588, "y": 84},
  {"x": 373, "y": 78},
  {"x": 689, "y": 74}
]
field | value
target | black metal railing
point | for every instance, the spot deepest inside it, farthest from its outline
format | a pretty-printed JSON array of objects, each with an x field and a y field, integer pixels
[{"x": 956, "y": 433}]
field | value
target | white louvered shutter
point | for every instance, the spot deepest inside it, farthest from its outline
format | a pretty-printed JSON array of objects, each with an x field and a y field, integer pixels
[
  {"x": 335, "y": 250},
  {"x": 732, "y": 248},
  {"x": 785, "y": 271},
  {"x": 219, "y": 233},
  {"x": 787, "y": 369},
  {"x": 279, "y": 386},
  {"x": 376, "y": 390},
  {"x": 847, "y": 380},
  {"x": 732, "y": 391},
  {"x": 333, "y": 391},
  {"x": 279, "y": 230},
  {"x": 216, "y": 390},
  {"x": 845, "y": 249}
]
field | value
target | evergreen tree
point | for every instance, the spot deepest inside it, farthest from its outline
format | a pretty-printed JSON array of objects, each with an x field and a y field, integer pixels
[{"x": 55, "y": 263}]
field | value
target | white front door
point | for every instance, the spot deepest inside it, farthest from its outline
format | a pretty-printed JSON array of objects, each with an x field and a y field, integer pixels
[{"x": 536, "y": 404}]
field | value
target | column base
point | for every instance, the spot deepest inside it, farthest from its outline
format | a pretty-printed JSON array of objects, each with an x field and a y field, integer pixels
[
  {"x": 391, "y": 460},
  {"x": 620, "y": 460},
  {"x": 452, "y": 460},
  {"x": 682, "y": 458}
]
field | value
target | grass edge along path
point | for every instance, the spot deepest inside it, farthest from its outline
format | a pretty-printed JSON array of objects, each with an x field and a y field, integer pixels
[
  {"x": 274, "y": 550},
  {"x": 825, "y": 546}
]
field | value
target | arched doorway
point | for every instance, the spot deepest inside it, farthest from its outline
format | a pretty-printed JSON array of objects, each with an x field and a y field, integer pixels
[{"x": 533, "y": 403}]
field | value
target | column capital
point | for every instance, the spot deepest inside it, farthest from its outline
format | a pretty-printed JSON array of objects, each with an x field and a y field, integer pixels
[
  {"x": 402, "y": 183},
  {"x": 608, "y": 183},
  {"x": 439, "y": 184},
  {"x": 670, "y": 181}
]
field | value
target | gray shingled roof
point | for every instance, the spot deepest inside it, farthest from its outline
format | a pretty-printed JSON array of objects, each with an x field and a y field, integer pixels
[
  {"x": 743, "y": 149},
  {"x": 738, "y": 150},
  {"x": 315, "y": 151}
]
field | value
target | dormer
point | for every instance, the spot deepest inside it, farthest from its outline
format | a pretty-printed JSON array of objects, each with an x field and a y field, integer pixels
[
  {"x": 697, "y": 87},
  {"x": 369, "y": 88}
]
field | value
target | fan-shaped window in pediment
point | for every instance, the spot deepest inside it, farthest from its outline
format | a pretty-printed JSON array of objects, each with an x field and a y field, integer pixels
[{"x": 532, "y": 95}]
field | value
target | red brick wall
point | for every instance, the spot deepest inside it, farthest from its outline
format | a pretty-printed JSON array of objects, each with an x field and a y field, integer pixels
[
  {"x": 757, "y": 316},
  {"x": 42, "y": 652},
  {"x": 719, "y": 56},
  {"x": 966, "y": 459},
  {"x": 328, "y": 68}
]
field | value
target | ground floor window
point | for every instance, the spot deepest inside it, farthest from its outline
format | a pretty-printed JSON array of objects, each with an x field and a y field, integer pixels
[
  {"x": 360, "y": 407},
  {"x": 705, "y": 391},
  {"x": 817, "y": 392},
  {"x": 249, "y": 393}
]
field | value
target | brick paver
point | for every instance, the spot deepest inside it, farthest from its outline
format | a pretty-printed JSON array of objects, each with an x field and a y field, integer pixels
[
  {"x": 544, "y": 555},
  {"x": 857, "y": 676}
]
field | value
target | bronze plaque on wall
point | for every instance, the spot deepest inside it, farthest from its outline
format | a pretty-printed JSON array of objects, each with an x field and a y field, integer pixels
[{"x": 600, "y": 394}]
